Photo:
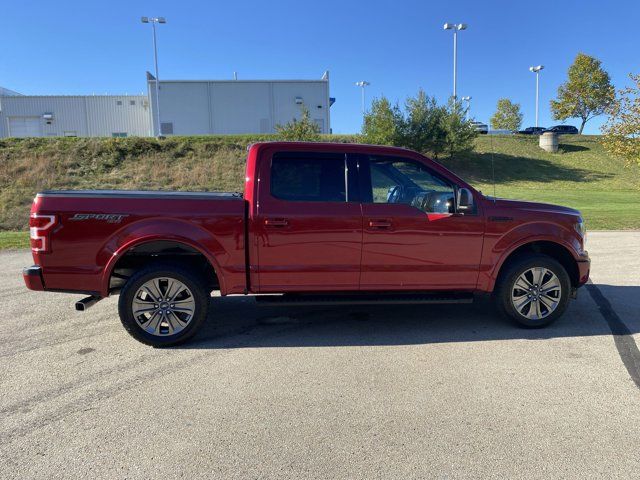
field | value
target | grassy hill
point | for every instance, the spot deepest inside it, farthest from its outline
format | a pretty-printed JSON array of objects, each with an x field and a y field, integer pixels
[{"x": 582, "y": 175}]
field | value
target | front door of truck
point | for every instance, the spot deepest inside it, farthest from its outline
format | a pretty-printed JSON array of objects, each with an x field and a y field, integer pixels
[
  {"x": 307, "y": 229},
  {"x": 413, "y": 239}
]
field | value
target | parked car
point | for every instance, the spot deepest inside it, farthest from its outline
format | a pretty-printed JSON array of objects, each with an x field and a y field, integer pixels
[
  {"x": 317, "y": 224},
  {"x": 532, "y": 131},
  {"x": 564, "y": 129},
  {"x": 480, "y": 127}
]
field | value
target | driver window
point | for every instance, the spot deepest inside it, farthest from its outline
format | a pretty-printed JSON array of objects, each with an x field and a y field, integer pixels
[{"x": 408, "y": 182}]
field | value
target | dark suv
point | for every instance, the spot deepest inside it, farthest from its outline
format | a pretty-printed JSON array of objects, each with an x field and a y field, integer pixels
[
  {"x": 533, "y": 131},
  {"x": 567, "y": 129}
]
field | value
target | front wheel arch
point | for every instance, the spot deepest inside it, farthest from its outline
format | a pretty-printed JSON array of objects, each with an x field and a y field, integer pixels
[{"x": 558, "y": 252}]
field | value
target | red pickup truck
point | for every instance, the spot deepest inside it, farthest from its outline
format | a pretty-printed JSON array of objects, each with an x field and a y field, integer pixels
[{"x": 318, "y": 223}]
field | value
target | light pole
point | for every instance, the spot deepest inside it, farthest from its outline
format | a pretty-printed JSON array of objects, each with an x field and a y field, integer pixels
[
  {"x": 468, "y": 100},
  {"x": 536, "y": 70},
  {"x": 153, "y": 21},
  {"x": 455, "y": 27},
  {"x": 363, "y": 84}
]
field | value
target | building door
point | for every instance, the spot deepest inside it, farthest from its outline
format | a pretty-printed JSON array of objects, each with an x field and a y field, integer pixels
[{"x": 24, "y": 127}]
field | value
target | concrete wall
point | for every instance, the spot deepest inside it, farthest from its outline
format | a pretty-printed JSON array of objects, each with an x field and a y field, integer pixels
[
  {"x": 238, "y": 106},
  {"x": 87, "y": 116}
]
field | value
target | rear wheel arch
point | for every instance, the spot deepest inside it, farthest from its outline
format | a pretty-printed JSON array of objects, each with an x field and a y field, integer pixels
[{"x": 136, "y": 256}]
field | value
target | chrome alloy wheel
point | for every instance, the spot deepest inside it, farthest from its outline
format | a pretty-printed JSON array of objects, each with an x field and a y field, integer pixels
[
  {"x": 163, "y": 306},
  {"x": 536, "y": 293}
]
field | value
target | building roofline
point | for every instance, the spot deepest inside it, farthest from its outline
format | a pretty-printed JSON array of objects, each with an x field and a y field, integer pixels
[
  {"x": 141, "y": 95},
  {"x": 242, "y": 81}
]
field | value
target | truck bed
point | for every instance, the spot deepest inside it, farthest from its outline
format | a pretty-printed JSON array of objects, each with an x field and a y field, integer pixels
[{"x": 94, "y": 228}]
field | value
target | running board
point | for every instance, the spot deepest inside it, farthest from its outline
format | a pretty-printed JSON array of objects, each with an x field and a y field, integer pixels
[{"x": 363, "y": 299}]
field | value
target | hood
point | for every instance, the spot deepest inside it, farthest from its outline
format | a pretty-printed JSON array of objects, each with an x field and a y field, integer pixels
[{"x": 533, "y": 206}]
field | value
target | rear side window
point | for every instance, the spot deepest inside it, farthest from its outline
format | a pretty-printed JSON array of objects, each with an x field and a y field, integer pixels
[{"x": 304, "y": 177}]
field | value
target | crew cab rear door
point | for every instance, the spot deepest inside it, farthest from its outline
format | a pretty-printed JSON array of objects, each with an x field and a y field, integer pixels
[
  {"x": 309, "y": 232},
  {"x": 413, "y": 239}
]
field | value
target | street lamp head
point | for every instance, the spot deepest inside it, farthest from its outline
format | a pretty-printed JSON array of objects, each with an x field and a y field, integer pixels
[
  {"x": 153, "y": 20},
  {"x": 536, "y": 69},
  {"x": 461, "y": 26},
  {"x": 449, "y": 26},
  {"x": 362, "y": 83}
]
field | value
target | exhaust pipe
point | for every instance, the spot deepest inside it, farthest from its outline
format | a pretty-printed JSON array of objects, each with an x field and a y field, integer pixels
[{"x": 85, "y": 303}]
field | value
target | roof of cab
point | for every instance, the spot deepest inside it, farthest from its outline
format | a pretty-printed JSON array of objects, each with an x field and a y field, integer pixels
[{"x": 332, "y": 146}]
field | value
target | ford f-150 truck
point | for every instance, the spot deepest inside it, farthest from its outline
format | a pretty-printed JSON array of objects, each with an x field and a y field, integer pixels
[{"x": 317, "y": 223}]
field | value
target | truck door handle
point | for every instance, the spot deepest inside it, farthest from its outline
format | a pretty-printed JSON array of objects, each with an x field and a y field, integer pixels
[
  {"x": 380, "y": 224},
  {"x": 276, "y": 222}
]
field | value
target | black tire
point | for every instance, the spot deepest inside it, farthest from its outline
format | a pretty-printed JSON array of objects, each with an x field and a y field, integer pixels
[
  {"x": 506, "y": 285},
  {"x": 196, "y": 286}
]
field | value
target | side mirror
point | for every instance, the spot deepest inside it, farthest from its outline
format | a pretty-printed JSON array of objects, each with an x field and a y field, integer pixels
[{"x": 465, "y": 200}]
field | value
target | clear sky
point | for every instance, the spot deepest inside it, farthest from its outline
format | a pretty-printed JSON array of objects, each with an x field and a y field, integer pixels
[{"x": 84, "y": 47}]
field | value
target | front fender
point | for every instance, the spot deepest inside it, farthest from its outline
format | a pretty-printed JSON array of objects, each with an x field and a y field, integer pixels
[
  {"x": 155, "y": 229},
  {"x": 498, "y": 251}
]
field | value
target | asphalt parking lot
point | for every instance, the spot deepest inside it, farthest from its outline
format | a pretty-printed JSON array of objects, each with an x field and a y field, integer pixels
[{"x": 370, "y": 392}]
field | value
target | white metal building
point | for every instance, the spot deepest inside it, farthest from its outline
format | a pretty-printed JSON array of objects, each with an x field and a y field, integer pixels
[
  {"x": 201, "y": 107},
  {"x": 187, "y": 107},
  {"x": 74, "y": 116}
]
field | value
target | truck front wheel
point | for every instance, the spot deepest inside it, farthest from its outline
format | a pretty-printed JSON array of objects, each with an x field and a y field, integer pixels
[
  {"x": 533, "y": 291},
  {"x": 163, "y": 305}
]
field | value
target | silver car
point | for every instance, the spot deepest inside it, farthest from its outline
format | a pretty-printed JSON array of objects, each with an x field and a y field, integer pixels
[{"x": 480, "y": 127}]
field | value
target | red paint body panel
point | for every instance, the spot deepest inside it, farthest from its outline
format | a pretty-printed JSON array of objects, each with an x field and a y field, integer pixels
[
  {"x": 84, "y": 252},
  {"x": 300, "y": 246},
  {"x": 420, "y": 251}
]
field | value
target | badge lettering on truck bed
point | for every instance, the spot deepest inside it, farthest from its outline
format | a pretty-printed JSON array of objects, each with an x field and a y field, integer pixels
[{"x": 108, "y": 217}]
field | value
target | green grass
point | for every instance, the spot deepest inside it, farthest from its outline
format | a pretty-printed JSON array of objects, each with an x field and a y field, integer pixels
[
  {"x": 581, "y": 175},
  {"x": 11, "y": 240},
  {"x": 602, "y": 210}
]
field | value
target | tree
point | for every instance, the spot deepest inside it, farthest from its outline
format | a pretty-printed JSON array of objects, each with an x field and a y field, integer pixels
[
  {"x": 423, "y": 128},
  {"x": 507, "y": 116},
  {"x": 622, "y": 130},
  {"x": 424, "y": 125},
  {"x": 459, "y": 132},
  {"x": 383, "y": 124},
  {"x": 303, "y": 130},
  {"x": 587, "y": 92}
]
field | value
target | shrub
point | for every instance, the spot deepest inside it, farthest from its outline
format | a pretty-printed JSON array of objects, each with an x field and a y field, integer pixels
[{"x": 303, "y": 130}]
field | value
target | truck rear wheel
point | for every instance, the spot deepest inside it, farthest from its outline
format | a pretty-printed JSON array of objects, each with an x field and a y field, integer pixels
[
  {"x": 533, "y": 291},
  {"x": 163, "y": 305}
]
